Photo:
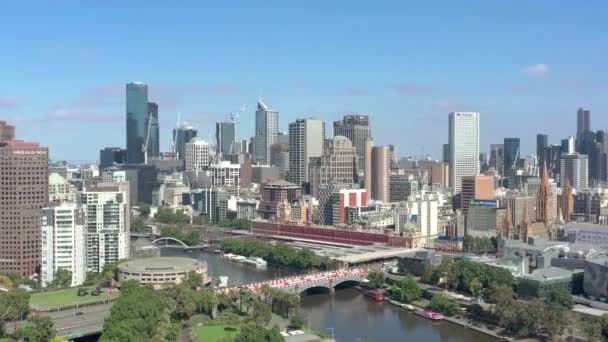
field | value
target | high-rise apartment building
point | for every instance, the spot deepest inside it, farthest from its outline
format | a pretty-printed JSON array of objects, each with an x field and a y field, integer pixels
[
  {"x": 154, "y": 140},
  {"x": 279, "y": 157},
  {"x": 24, "y": 188},
  {"x": 137, "y": 121},
  {"x": 476, "y": 188},
  {"x": 266, "y": 131},
  {"x": 7, "y": 132},
  {"x": 60, "y": 190},
  {"x": 197, "y": 155},
  {"x": 438, "y": 173},
  {"x": 306, "y": 140},
  {"x": 63, "y": 243},
  {"x": 107, "y": 221},
  {"x": 355, "y": 128},
  {"x": 181, "y": 136},
  {"x": 512, "y": 153},
  {"x": 575, "y": 168},
  {"x": 583, "y": 120},
  {"x": 225, "y": 137},
  {"x": 381, "y": 173},
  {"x": 464, "y": 147}
]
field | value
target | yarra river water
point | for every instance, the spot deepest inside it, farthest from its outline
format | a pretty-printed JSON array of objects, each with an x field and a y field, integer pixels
[{"x": 352, "y": 316}]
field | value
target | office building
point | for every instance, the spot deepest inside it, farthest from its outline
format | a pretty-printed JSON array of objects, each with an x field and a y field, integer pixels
[
  {"x": 333, "y": 208},
  {"x": 110, "y": 156},
  {"x": 266, "y": 131},
  {"x": 137, "y": 121},
  {"x": 275, "y": 193},
  {"x": 476, "y": 188},
  {"x": 338, "y": 164},
  {"x": 63, "y": 243},
  {"x": 306, "y": 140},
  {"x": 497, "y": 154},
  {"x": 402, "y": 186},
  {"x": 512, "y": 153},
  {"x": 568, "y": 145},
  {"x": 438, "y": 173},
  {"x": 445, "y": 153},
  {"x": 225, "y": 137},
  {"x": 355, "y": 128},
  {"x": 264, "y": 173},
  {"x": 7, "y": 132},
  {"x": 197, "y": 155},
  {"x": 367, "y": 168},
  {"x": 575, "y": 168},
  {"x": 552, "y": 159},
  {"x": 464, "y": 147},
  {"x": 224, "y": 173},
  {"x": 583, "y": 120},
  {"x": 182, "y": 135},
  {"x": 24, "y": 191},
  {"x": 380, "y": 173},
  {"x": 107, "y": 221},
  {"x": 60, "y": 190},
  {"x": 484, "y": 218},
  {"x": 542, "y": 141},
  {"x": 279, "y": 157},
  {"x": 143, "y": 179}
]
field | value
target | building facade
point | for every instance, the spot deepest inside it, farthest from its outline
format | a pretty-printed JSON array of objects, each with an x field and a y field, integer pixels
[
  {"x": 355, "y": 128},
  {"x": 464, "y": 147},
  {"x": 583, "y": 120},
  {"x": 306, "y": 140},
  {"x": 197, "y": 155},
  {"x": 226, "y": 174},
  {"x": 137, "y": 121},
  {"x": 225, "y": 137},
  {"x": 266, "y": 132},
  {"x": 574, "y": 167},
  {"x": 476, "y": 187},
  {"x": 380, "y": 173},
  {"x": 181, "y": 136},
  {"x": 512, "y": 153},
  {"x": 110, "y": 156}
]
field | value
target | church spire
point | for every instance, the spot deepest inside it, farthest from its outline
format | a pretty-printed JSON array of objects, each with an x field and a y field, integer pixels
[
  {"x": 544, "y": 199},
  {"x": 507, "y": 223}
]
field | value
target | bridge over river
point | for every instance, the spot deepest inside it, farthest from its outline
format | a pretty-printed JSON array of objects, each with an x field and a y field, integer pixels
[{"x": 300, "y": 283}]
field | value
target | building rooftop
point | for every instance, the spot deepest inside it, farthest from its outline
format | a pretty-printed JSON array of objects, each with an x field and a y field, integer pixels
[
  {"x": 161, "y": 264},
  {"x": 550, "y": 273}
]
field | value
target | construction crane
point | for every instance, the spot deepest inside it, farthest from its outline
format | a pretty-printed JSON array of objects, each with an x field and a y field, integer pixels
[
  {"x": 179, "y": 116},
  {"x": 233, "y": 117},
  {"x": 144, "y": 147}
]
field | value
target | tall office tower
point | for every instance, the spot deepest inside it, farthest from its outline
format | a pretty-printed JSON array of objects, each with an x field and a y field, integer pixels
[
  {"x": 512, "y": 153},
  {"x": 446, "y": 153},
  {"x": 110, "y": 156},
  {"x": 583, "y": 120},
  {"x": 107, "y": 221},
  {"x": 266, "y": 131},
  {"x": 226, "y": 174},
  {"x": 381, "y": 173},
  {"x": 197, "y": 155},
  {"x": 476, "y": 188},
  {"x": 306, "y": 140},
  {"x": 338, "y": 164},
  {"x": 24, "y": 188},
  {"x": 542, "y": 141},
  {"x": 598, "y": 159},
  {"x": 575, "y": 168},
  {"x": 63, "y": 243},
  {"x": 367, "y": 171},
  {"x": 245, "y": 146},
  {"x": 355, "y": 128},
  {"x": 7, "y": 132},
  {"x": 497, "y": 154},
  {"x": 464, "y": 147},
  {"x": 137, "y": 120},
  {"x": 568, "y": 145},
  {"x": 154, "y": 141},
  {"x": 225, "y": 137},
  {"x": 544, "y": 199},
  {"x": 182, "y": 135},
  {"x": 483, "y": 161},
  {"x": 438, "y": 173}
]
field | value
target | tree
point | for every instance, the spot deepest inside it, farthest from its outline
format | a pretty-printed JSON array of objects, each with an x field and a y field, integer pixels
[
  {"x": 59, "y": 339},
  {"x": 476, "y": 288},
  {"x": 560, "y": 298},
  {"x": 431, "y": 275},
  {"x": 604, "y": 325},
  {"x": 376, "y": 279},
  {"x": 407, "y": 290},
  {"x": 185, "y": 301},
  {"x": 444, "y": 305},
  {"x": 138, "y": 225},
  {"x": 144, "y": 209},
  {"x": 261, "y": 314},
  {"x": 6, "y": 281},
  {"x": 296, "y": 322},
  {"x": 194, "y": 280},
  {"x": 41, "y": 328},
  {"x": 253, "y": 333},
  {"x": 62, "y": 278},
  {"x": 14, "y": 305},
  {"x": 206, "y": 301}
]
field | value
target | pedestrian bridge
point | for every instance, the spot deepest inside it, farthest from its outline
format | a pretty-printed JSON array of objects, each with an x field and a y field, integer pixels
[{"x": 301, "y": 283}]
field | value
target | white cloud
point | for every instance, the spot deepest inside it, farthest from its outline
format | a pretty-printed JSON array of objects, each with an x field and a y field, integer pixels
[{"x": 536, "y": 69}]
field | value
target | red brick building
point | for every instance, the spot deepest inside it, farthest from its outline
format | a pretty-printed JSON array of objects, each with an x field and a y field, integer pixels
[
  {"x": 23, "y": 194},
  {"x": 273, "y": 193}
]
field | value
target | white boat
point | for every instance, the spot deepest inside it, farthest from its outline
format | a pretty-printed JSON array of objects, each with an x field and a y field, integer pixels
[{"x": 256, "y": 261}]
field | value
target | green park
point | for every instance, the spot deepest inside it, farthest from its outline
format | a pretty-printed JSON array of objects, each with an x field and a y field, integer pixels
[{"x": 69, "y": 297}]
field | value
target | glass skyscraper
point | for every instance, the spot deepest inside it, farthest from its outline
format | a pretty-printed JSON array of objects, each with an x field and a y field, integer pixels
[
  {"x": 181, "y": 136},
  {"x": 225, "y": 137},
  {"x": 137, "y": 114},
  {"x": 542, "y": 141},
  {"x": 511, "y": 146},
  {"x": 266, "y": 132}
]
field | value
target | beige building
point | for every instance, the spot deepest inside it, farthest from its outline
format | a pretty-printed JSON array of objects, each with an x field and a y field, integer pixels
[
  {"x": 60, "y": 190},
  {"x": 476, "y": 187},
  {"x": 338, "y": 164},
  {"x": 438, "y": 172},
  {"x": 380, "y": 173}
]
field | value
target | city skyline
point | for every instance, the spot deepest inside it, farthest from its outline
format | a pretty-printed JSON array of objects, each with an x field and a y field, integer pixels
[{"x": 530, "y": 77}]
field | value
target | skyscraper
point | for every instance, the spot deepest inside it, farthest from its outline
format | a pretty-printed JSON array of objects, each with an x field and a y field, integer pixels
[
  {"x": 583, "y": 120},
  {"x": 197, "y": 155},
  {"x": 338, "y": 164},
  {"x": 445, "y": 153},
  {"x": 575, "y": 168},
  {"x": 110, "y": 156},
  {"x": 464, "y": 147},
  {"x": 381, "y": 172},
  {"x": 137, "y": 120},
  {"x": 266, "y": 131},
  {"x": 182, "y": 135},
  {"x": 542, "y": 141},
  {"x": 306, "y": 140},
  {"x": 511, "y": 146},
  {"x": 24, "y": 193},
  {"x": 154, "y": 141},
  {"x": 497, "y": 155},
  {"x": 355, "y": 128},
  {"x": 225, "y": 138},
  {"x": 367, "y": 172}
]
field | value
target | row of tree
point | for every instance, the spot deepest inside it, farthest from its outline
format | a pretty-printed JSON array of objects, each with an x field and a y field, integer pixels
[
  {"x": 190, "y": 238},
  {"x": 170, "y": 216},
  {"x": 279, "y": 254},
  {"x": 479, "y": 244}
]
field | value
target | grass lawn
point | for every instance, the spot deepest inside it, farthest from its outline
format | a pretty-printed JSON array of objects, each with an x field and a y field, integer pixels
[
  {"x": 213, "y": 333},
  {"x": 68, "y": 297}
]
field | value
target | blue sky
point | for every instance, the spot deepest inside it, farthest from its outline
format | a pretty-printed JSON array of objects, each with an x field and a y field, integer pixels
[{"x": 526, "y": 66}]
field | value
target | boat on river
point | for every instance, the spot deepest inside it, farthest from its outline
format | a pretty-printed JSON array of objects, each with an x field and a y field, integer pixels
[
  {"x": 255, "y": 261},
  {"x": 429, "y": 314},
  {"x": 394, "y": 302},
  {"x": 408, "y": 306},
  {"x": 375, "y": 295}
]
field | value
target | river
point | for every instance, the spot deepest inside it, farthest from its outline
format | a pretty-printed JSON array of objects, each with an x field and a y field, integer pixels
[{"x": 350, "y": 315}]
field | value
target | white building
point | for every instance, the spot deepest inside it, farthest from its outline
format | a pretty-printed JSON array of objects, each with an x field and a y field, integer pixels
[
  {"x": 421, "y": 211},
  {"x": 306, "y": 140},
  {"x": 266, "y": 132},
  {"x": 574, "y": 167},
  {"x": 225, "y": 173},
  {"x": 107, "y": 223},
  {"x": 173, "y": 194},
  {"x": 63, "y": 243},
  {"x": 114, "y": 176},
  {"x": 197, "y": 154},
  {"x": 464, "y": 147},
  {"x": 60, "y": 190}
]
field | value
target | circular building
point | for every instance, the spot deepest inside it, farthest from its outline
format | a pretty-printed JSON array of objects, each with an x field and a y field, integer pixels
[{"x": 163, "y": 271}]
